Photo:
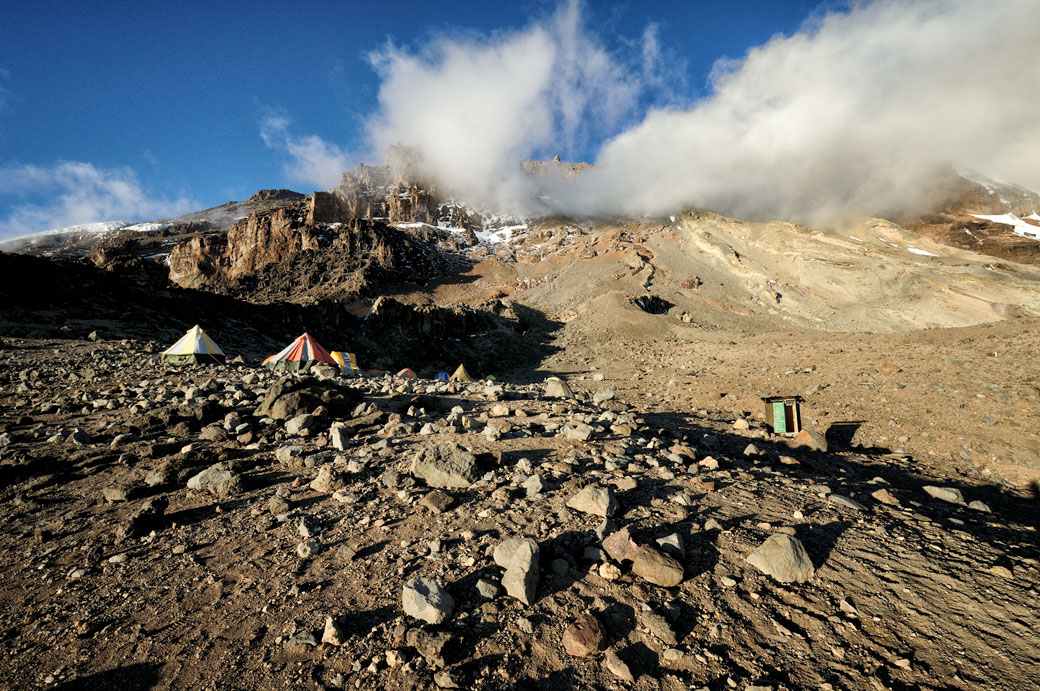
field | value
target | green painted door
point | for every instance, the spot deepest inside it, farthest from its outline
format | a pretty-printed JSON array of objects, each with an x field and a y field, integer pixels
[{"x": 779, "y": 418}]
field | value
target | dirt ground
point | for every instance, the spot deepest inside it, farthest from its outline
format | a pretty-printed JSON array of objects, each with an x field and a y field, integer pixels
[
  {"x": 919, "y": 594},
  {"x": 914, "y": 496}
]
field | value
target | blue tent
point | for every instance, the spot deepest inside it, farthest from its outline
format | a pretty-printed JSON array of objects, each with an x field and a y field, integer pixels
[{"x": 442, "y": 376}]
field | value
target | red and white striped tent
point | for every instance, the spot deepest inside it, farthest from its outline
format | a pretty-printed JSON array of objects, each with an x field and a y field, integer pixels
[{"x": 303, "y": 353}]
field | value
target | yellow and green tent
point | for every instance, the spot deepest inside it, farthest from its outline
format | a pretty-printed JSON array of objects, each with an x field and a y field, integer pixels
[
  {"x": 193, "y": 347},
  {"x": 461, "y": 374}
]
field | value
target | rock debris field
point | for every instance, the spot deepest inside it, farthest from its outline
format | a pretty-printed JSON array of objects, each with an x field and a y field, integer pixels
[{"x": 230, "y": 528}]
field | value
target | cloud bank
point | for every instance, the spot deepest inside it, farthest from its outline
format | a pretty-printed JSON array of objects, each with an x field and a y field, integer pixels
[
  {"x": 476, "y": 107},
  {"x": 75, "y": 193},
  {"x": 857, "y": 113}
]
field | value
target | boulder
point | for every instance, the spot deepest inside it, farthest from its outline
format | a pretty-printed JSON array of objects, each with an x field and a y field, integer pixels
[{"x": 289, "y": 397}]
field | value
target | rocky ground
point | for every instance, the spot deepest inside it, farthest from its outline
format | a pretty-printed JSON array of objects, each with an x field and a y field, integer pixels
[
  {"x": 611, "y": 512},
  {"x": 224, "y": 527}
]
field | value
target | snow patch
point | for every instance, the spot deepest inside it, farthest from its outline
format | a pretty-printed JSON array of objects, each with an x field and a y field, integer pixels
[
  {"x": 1018, "y": 226},
  {"x": 499, "y": 235},
  {"x": 925, "y": 253},
  {"x": 148, "y": 227},
  {"x": 80, "y": 229}
]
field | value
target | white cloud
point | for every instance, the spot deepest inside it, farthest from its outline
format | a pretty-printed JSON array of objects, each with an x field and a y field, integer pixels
[
  {"x": 76, "y": 193},
  {"x": 860, "y": 112},
  {"x": 476, "y": 107},
  {"x": 313, "y": 161}
]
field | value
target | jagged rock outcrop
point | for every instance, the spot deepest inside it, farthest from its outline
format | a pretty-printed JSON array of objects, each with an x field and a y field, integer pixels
[{"x": 279, "y": 255}]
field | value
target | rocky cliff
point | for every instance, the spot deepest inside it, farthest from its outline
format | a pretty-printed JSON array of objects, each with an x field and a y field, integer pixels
[{"x": 280, "y": 256}]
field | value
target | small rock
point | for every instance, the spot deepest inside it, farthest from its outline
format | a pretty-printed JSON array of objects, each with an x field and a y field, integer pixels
[
  {"x": 979, "y": 506},
  {"x": 657, "y": 568},
  {"x": 947, "y": 494},
  {"x": 578, "y": 432},
  {"x": 673, "y": 545},
  {"x": 301, "y": 425},
  {"x": 583, "y": 637},
  {"x": 446, "y": 465},
  {"x": 535, "y": 485},
  {"x": 487, "y": 589},
  {"x": 620, "y": 546},
  {"x": 328, "y": 481},
  {"x": 308, "y": 548},
  {"x": 218, "y": 480},
  {"x": 519, "y": 557},
  {"x": 708, "y": 463},
  {"x": 288, "y": 455},
  {"x": 555, "y": 388},
  {"x": 444, "y": 680},
  {"x": 885, "y": 497},
  {"x": 599, "y": 501},
  {"x": 784, "y": 558},
  {"x": 617, "y": 667},
  {"x": 114, "y": 494},
  {"x": 1002, "y": 571},
  {"x": 841, "y": 500},
  {"x": 277, "y": 506},
  {"x": 437, "y": 501},
  {"x": 811, "y": 439},
  {"x": 423, "y": 599},
  {"x": 301, "y": 641},
  {"x": 657, "y": 626},
  {"x": 332, "y": 634}
]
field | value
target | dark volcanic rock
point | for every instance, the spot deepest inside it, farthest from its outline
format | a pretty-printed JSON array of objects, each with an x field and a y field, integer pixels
[{"x": 289, "y": 397}]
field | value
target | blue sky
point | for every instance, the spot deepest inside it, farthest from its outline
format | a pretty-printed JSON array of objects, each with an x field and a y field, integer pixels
[
  {"x": 802, "y": 110},
  {"x": 168, "y": 99}
]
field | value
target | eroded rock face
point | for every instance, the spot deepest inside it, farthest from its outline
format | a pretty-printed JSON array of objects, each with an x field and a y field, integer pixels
[{"x": 284, "y": 250}]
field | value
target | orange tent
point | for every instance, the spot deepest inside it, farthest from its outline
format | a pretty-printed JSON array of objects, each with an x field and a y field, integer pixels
[{"x": 303, "y": 353}]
